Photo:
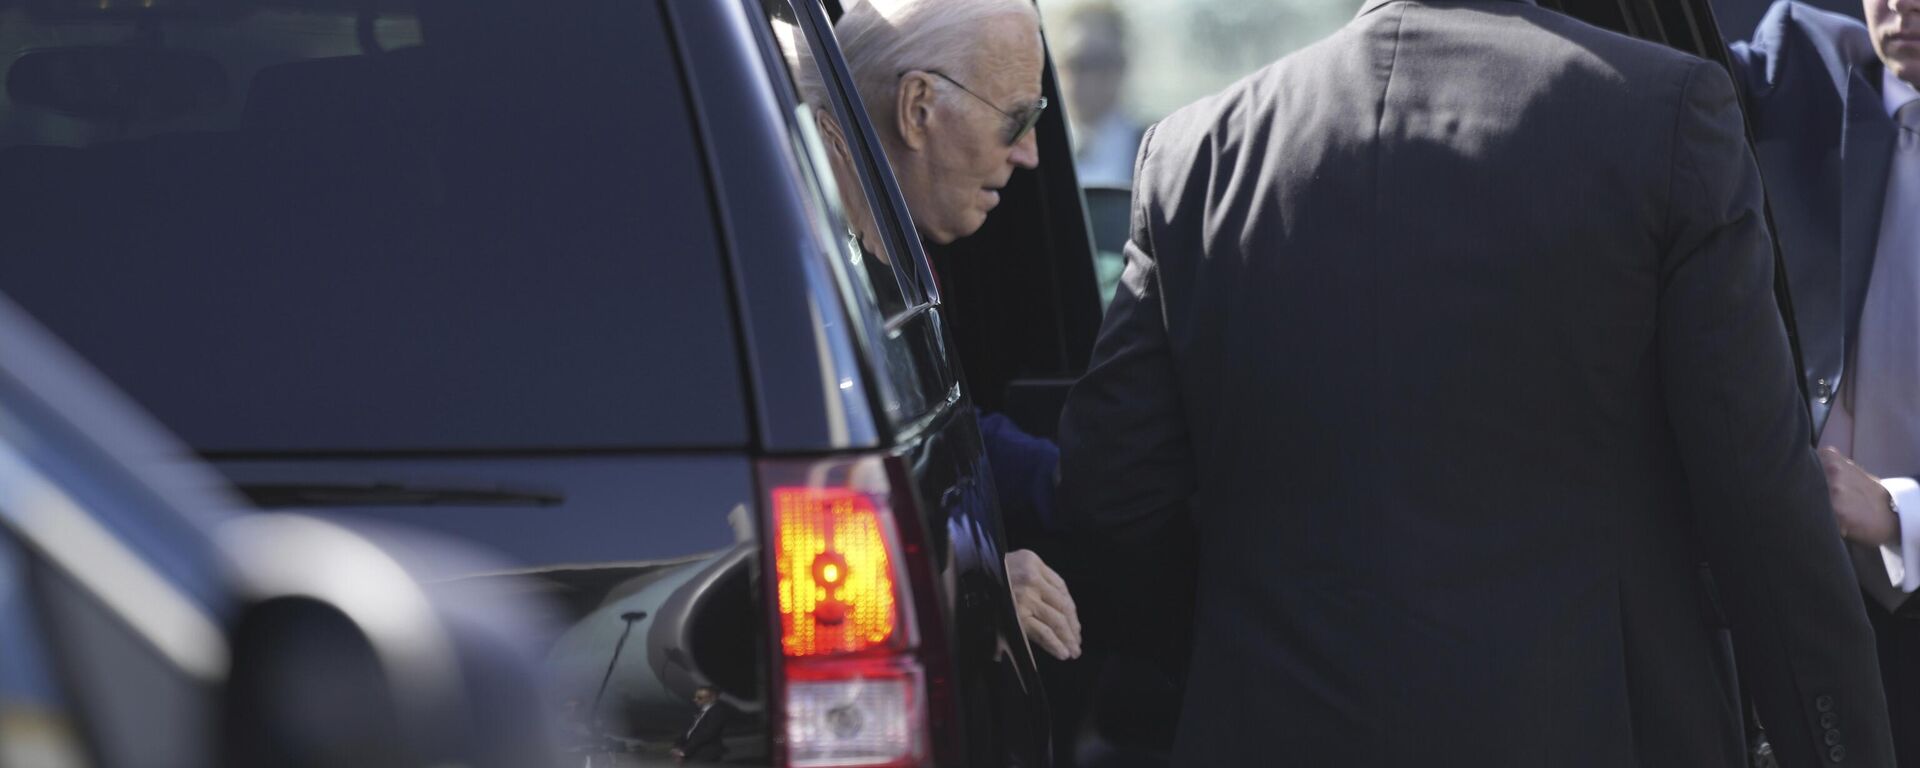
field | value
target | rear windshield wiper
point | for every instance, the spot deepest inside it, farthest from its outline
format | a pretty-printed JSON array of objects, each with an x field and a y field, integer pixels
[{"x": 280, "y": 495}]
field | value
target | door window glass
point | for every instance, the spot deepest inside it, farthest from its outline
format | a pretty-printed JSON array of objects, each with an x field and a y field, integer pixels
[
  {"x": 886, "y": 273},
  {"x": 916, "y": 377}
]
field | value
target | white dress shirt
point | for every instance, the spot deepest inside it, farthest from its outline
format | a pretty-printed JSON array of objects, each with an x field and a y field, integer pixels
[{"x": 1893, "y": 314}]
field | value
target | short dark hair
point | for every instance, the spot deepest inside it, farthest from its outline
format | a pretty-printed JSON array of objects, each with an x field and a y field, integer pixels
[{"x": 708, "y": 688}]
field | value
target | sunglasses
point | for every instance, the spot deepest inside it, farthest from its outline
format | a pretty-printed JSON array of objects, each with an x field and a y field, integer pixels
[{"x": 1019, "y": 121}]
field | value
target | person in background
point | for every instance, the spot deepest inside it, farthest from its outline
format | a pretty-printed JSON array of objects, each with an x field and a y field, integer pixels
[
  {"x": 952, "y": 88},
  {"x": 1090, "y": 41},
  {"x": 702, "y": 740},
  {"x": 1836, "y": 117}
]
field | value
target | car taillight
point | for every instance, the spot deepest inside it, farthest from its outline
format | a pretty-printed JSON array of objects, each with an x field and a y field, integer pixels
[
  {"x": 854, "y": 713},
  {"x": 833, "y": 571},
  {"x": 852, "y": 688}
]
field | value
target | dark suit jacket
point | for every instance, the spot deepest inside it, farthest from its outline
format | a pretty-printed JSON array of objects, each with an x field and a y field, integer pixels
[
  {"x": 1823, "y": 137},
  {"x": 1453, "y": 336},
  {"x": 1812, "y": 85},
  {"x": 702, "y": 741}
]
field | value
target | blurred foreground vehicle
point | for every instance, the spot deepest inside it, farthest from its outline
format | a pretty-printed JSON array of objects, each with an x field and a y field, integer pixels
[{"x": 144, "y": 622}]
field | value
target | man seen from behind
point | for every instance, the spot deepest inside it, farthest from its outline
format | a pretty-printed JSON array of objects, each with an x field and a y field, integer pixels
[{"x": 1452, "y": 338}]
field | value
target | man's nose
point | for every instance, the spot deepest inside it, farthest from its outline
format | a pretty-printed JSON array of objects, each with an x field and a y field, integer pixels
[{"x": 1026, "y": 151}]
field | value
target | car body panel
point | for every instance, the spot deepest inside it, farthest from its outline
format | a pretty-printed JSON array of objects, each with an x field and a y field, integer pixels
[{"x": 639, "y": 508}]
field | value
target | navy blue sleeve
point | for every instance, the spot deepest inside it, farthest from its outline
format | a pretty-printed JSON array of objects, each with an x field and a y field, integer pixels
[{"x": 1023, "y": 469}]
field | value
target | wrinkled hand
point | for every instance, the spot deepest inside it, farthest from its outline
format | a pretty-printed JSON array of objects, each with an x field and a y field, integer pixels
[
  {"x": 1046, "y": 610},
  {"x": 1861, "y": 505}
]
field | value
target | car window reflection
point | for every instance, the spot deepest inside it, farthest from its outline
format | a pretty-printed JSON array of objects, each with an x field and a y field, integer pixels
[{"x": 882, "y": 269}]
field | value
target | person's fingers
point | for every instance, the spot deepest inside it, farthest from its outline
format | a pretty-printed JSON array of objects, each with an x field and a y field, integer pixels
[
  {"x": 1058, "y": 594},
  {"x": 1044, "y": 635},
  {"x": 1072, "y": 608},
  {"x": 1044, "y": 600},
  {"x": 1038, "y": 602},
  {"x": 1061, "y": 601},
  {"x": 1055, "y": 620},
  {"x": 1054, "y": 595}
]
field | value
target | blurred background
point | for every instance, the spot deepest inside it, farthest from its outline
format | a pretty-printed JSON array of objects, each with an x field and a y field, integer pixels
[
  {"x": 1127, "y": 63},
  {"x": 1124, "y": 64}
]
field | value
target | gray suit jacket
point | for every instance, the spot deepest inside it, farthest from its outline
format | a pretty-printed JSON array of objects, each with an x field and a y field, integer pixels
[{"x": 1452, "y": 337}]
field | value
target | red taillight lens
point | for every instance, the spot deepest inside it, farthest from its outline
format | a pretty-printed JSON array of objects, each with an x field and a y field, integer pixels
[
  {"x": 833, "y": 572},
  {"x": 853, "y": 680}
]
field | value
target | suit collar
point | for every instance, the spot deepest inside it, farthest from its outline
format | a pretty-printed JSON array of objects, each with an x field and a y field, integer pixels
[{"x": 1374, "y": 5}]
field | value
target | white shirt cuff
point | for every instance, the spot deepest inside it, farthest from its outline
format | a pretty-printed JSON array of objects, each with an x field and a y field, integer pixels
[{"x": 1903, "y": 557}]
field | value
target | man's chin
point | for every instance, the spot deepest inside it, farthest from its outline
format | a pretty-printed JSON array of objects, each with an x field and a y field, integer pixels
[
  {"x": 960, "y": 229},
  {"x": 1907, "y": 70},
  {"x": 975, "y": 224}
]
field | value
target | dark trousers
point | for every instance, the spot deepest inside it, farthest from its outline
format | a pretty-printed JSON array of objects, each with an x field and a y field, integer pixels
[{"x": 1898, "y": 635}]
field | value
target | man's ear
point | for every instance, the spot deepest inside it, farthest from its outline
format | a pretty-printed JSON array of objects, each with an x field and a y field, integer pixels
[
  {"x": 913, "y": 109},
  {"x": 833, "y": 137}
]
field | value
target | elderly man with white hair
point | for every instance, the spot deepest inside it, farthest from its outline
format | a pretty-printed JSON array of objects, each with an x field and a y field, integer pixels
[{"x": 952, "y": 88}]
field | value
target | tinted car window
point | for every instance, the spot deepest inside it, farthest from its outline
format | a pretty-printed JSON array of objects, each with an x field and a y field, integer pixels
[
  {"x": 832, "y": 135},
  {"x": 420, "y": 226},
  {"x": 907, "y": 349}
]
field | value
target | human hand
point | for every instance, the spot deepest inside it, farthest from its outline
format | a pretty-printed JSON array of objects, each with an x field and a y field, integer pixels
[
  {"x": 1046, "y": 610},
  {"x": 1861, "y": 505}
]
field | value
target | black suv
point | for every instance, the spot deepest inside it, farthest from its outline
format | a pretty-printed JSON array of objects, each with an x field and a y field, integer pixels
[{"x": 570, "y": 280}]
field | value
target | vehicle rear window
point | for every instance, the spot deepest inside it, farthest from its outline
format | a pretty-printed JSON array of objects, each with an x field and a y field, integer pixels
[{"x": 313, "y": 225}]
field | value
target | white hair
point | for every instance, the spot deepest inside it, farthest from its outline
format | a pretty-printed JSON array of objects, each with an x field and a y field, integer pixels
[{"x": 883, "y": 38}]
